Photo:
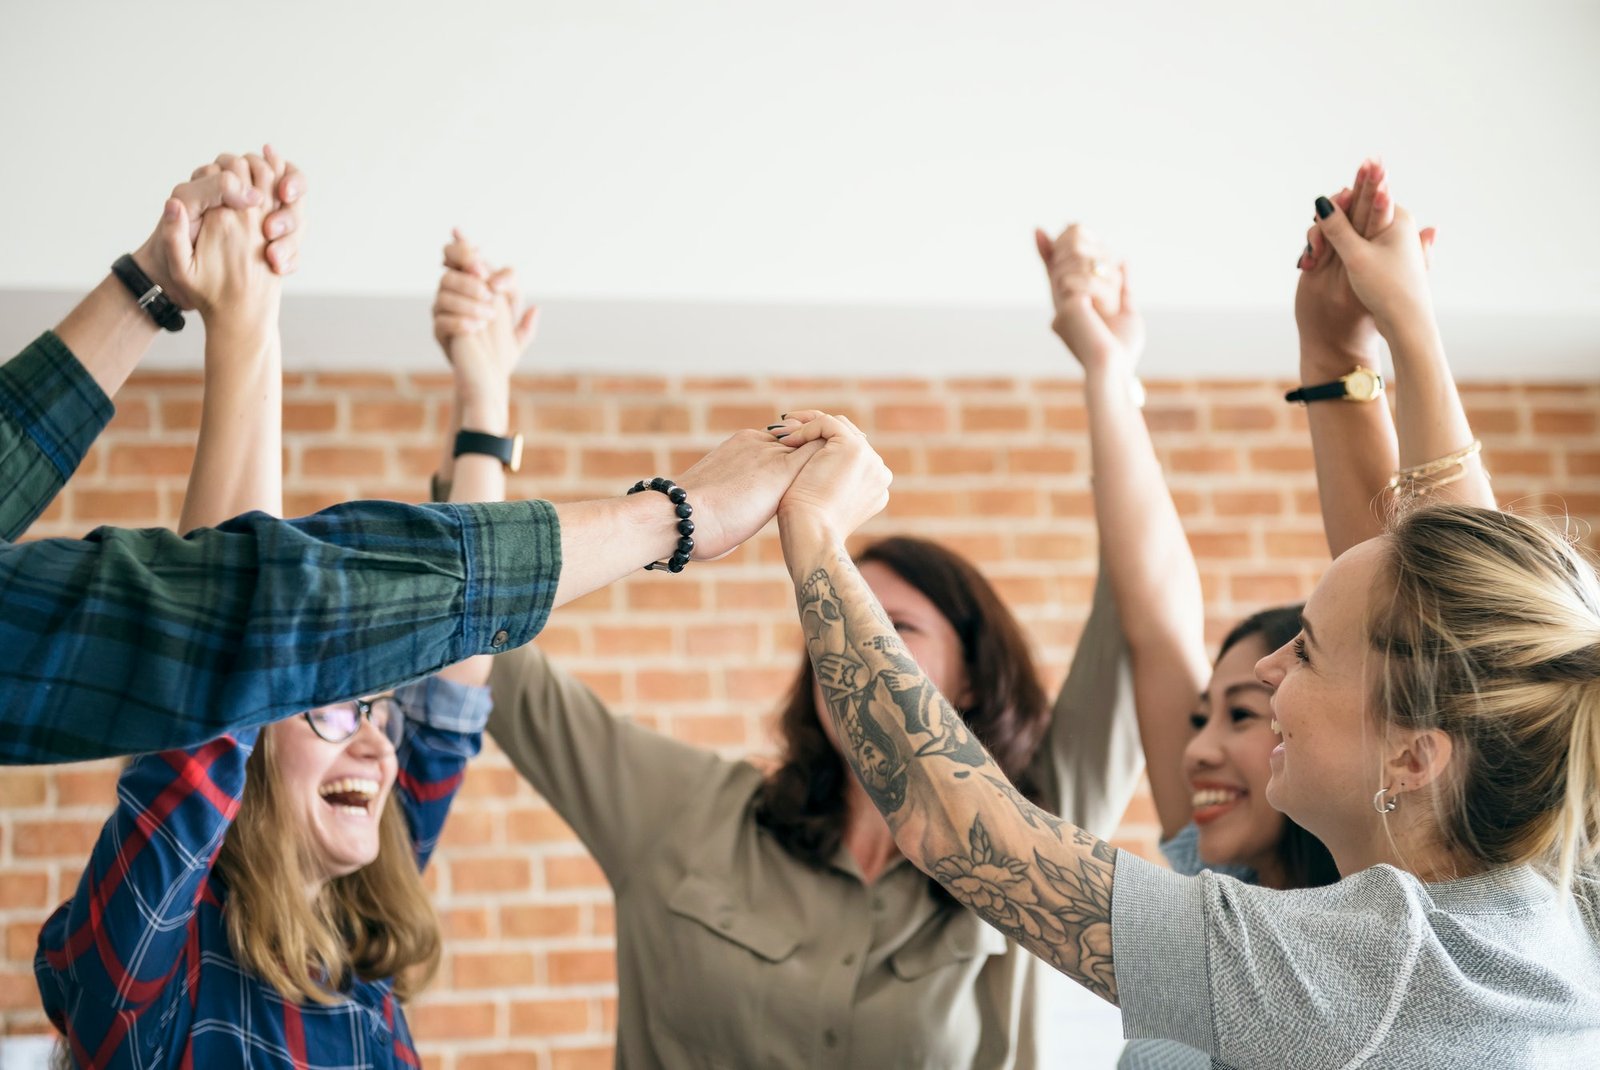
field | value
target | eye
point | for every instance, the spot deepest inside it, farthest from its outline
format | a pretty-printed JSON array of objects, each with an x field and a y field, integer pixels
[
  {"x": 1300, "y": 649},
  {"x": 1197, "y": 720},
  {"x": 1240, "y": 714},
  {"x": 903, "y": 625}
]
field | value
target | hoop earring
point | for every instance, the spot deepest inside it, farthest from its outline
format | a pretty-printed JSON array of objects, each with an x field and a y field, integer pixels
[{"x": 1382, "y": 805}]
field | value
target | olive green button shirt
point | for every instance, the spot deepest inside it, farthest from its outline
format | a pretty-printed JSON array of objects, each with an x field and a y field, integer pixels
[{"x": 733, "y": 953}]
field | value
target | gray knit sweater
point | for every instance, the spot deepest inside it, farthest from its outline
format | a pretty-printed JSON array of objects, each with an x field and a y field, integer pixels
[{"x": 1377, "y": 970}]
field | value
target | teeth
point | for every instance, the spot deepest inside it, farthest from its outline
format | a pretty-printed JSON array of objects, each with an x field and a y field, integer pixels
[
  {"x": 1214, "y": 797},
  {"x": 1276, "y": 730},
  {"x": 366, "y": 789}
]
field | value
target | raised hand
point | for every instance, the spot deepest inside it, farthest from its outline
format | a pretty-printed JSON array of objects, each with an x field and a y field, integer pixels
[
  {"x": 1094, "y": 311},
  {"x": 227, "y": 274},
  {"x": 169, "y": 250},
  {"x": 735, "y": 489},
  {"x": 844, "y": 485},
  {"x": 1387, "y": 270}
]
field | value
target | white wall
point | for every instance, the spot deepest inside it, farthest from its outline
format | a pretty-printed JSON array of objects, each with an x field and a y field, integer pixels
[{"x": 879, "y": 153}]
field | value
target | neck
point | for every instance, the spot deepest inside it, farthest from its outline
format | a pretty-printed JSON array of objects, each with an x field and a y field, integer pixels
[
  {"x": 866, "y": 834},
  {"x": 1269, "y": 870},
  {"x": 1407, "y": 843}
]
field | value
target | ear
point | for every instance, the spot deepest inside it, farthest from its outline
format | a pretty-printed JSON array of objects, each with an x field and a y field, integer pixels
[{"x": 1419, "y": 759}]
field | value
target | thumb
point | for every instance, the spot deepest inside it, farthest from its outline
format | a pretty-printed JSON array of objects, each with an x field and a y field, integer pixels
[
  {"x": 1042, "y": 242},
  {"x": 528, "y": 324},
  {"x": 173, "y": 234},
  {"x": 1335, "y": 226}
]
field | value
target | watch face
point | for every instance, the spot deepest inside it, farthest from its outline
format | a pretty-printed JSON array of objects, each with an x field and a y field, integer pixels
[{"x": 1363, "y": 384}]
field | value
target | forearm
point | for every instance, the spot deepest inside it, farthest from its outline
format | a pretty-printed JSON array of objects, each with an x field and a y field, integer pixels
[
  {"x": 603, "y": 541},
  {"x": 1036, "y": 878},
  {"x": 477, "y": 478},
  {"x": 108, "y": 332},
  {"x": 238, "y": 465},
  {"x": 1428, "y": 413},
  {"x": 1353, "y": 448},
  {"x": 1154, "y": 583}
]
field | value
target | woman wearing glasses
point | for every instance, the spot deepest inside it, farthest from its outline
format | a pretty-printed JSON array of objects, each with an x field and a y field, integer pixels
[{"x": 257, "y": 900}]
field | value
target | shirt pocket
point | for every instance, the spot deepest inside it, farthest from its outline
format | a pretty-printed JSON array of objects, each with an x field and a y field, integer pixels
[
  {"x": 739, "y": 997},
  {"x": 708, "y": 904}
]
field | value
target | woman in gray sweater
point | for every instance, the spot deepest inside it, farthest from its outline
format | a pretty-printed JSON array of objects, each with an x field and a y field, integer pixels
[{"x": 1440, "y": 723}]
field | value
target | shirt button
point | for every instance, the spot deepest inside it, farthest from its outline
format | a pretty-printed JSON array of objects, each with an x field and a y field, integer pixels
[
  {"x": 830, "y": 1038},
  {"x": 849, "y": 959},
  {"x": 500, "y": 638}
]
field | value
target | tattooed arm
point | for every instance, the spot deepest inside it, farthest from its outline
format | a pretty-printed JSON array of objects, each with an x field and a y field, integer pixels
[{"x": 954, "y": 814}]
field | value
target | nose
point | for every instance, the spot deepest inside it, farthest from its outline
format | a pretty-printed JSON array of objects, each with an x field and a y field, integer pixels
[
  {"x": 1204, "y": 751},
  {"x": 1270, "y": 669},
  {"x": 369, "y": 741}
]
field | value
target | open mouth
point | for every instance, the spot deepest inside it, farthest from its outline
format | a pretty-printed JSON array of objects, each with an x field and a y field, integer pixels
[
  {"x": 1211, "y": 803},
  {"x": 352, "y": 795}
]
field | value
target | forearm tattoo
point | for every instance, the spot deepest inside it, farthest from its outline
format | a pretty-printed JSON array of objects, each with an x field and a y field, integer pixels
[{"x": 910, "y": 749}]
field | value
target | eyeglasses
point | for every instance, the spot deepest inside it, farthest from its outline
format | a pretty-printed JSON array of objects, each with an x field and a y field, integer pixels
[{"x": 338, "y": 722}]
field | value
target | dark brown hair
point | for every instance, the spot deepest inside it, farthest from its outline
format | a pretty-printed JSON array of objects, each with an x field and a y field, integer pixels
[
  {"x": 1306, "y": 862},
  {"x": 802, "y": 802}
]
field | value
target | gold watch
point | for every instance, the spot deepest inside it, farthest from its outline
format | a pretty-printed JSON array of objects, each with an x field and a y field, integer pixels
[{"x": 1359, "y": 384}]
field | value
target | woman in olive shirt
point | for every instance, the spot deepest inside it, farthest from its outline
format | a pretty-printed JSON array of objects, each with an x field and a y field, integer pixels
[{"x": 767, "y": 919}]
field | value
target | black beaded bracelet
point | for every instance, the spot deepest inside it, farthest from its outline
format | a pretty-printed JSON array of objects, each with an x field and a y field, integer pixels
[{"x": 680, "y": 501}]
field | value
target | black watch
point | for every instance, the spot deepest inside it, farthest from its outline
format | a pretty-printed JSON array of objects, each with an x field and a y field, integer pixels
[
  {"x": 151, "y": 297},
  {"x": 1361, "y": 384},
  {"x": 508, "y": 451}
]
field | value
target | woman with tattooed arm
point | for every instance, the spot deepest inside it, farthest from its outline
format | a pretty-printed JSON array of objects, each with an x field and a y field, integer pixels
[
  {"x": 1440, "y": 722},
  {"x": 775, "y": 899}
]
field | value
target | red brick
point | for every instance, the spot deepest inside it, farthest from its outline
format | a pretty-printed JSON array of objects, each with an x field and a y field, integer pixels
[
  {"x": 133, "y": 414},
  {"x": 565, "y": 872},
  {"x": 710, "y": 731},
  {"x": 24, "y": 891},
  {"x": 131, "y": 508},
  {"x": 385, "y": 417},
  {"x": 582, "y": 1058},
  {"x": 549, "y": 1017},
  {"x": 673, "y": 685},
  {"x": 1563, "y": 422},
  {"x": 180, "y": 413},
  {"x": 492, "y": 969},
  {"x": 1161, "y": 419},
  {"x": 622, "y": 465},
  {"x": 582, "y": 967},
  {"x": 374, "y": 382},
  {"x": 1053, "y": 461},
  {"x": 540, "y": 920},
  {"x": 1520, "y": 462},
  {"x": 1243, "y": 418},
  {"x": 354, "y": 462},
  {"x": 1283, "y": 459},
  {"x": 22, "y": 787},
  {"x": 55, "y": 838},
  {"x": 469, "y": 828},
  {"x": 537, "y": 826},
  {"x": 1264, "y": 503},
  {"x": 1007, "y": 502},
  {"x": 921, "y": 419},
  {"x": 665, "y": 418},
  {"x": 724, "y": 419},
  {"x": 501, "y": 873},
  {"x": 1013, "y": 418},
  {"x": 464, "y": 923},
  {"x": 1581, "y": 463},
  {"x": 1204, "y": 459},
  {"x": 631, "y": 641},
  {"x": 431, "y": 1020},
  {"x": 960, "y": 460}
]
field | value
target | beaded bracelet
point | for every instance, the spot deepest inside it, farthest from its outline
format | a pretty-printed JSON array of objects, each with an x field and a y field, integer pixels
[{"x": 680, "y": 501}]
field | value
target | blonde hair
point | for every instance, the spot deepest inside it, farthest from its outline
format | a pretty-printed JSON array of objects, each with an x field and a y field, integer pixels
[
  {"x": 374, "y": 923},
  {"x": 1492, "y": 636}
]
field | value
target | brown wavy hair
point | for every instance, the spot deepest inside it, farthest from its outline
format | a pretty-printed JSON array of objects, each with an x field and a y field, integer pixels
[
  {"x": 802, "y": 802},
  {"x": 374, "y": 923}
]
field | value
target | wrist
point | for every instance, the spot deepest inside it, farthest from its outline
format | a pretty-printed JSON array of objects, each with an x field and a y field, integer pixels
[
  {"x": 491, "y": 418},
  {"x": 807, "y": 537},
  {"x": 154, "y": 265},
  {"x": 1321, "y": 363}
]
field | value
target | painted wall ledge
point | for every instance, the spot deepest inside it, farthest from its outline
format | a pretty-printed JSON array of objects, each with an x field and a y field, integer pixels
[{"x": 668, "y": 338}]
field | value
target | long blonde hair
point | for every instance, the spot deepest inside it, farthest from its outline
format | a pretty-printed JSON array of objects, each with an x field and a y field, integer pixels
[
  {"x": 374, "y": 923},
  {"x": 1492, "y": 635}
]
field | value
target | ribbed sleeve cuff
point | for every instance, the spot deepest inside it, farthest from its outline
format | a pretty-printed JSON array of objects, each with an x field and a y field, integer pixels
[
  {"x": 513, "y": 558},
  {"x": 55, "y": 400},
  {"x": 445, "y": 705},
  {"x": 1158, "y": 944}
]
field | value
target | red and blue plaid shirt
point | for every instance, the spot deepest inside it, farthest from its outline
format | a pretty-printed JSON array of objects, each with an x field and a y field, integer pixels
[{"x": 136, "y": 968}]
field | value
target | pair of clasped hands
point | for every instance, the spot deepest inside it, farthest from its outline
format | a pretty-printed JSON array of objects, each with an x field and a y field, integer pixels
[
  {"x": 225, "y": 239},
  {"x": 809, "y": 468}
]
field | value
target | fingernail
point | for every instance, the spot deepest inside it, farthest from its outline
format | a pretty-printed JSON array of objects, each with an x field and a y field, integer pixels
[
  {"x": 252, "y": 195},
  {"x": 275, "y": 230},
  {"x": 783, "y": 436},
  {"x": 169, "y": 212},
  {"x": 783, "y": 416},
  {"x": 292, "y": 190},
  {"x": 774, "y": 427},
  {"x": 1324, "y": 208}
]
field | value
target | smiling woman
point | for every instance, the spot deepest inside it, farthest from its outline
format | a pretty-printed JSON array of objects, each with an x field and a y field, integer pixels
[{"x": 258, "y": 900}]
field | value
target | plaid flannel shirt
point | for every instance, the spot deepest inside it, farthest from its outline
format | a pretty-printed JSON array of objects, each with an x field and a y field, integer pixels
[
  {"x": 136, "y": 969},
  {"x": 140, "y": 640}
]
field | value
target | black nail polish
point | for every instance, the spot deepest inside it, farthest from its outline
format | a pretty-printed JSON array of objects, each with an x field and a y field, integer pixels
[
  {"x": 1324, "y": 208},
  {"x": 774, "y": 427},
  {"x": 783, "y": 436}
]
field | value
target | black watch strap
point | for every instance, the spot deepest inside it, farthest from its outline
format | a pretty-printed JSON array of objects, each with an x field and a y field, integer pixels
[
  {"x": 151, "y": 297},
  {"x": 508, "y": 451},
  {"x": 1320, "y": 392}
]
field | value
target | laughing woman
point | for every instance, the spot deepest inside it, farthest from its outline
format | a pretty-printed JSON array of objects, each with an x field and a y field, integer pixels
[
  {"x": 1440, "y": 722},
  {"x": 257, "y": 900}
]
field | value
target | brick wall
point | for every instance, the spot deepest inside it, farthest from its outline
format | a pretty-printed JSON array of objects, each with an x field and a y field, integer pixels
[{"x": 994, "y": 467}]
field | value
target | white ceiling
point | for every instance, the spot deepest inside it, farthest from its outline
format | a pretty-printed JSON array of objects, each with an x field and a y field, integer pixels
[{"x": 876, "y": 153}]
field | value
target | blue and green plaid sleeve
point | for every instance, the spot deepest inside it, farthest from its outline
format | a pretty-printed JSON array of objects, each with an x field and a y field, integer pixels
[
  {"x": 140, "y": 640},
  {"x": 51, "y": 409}
]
